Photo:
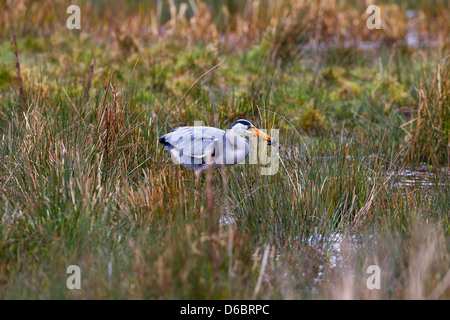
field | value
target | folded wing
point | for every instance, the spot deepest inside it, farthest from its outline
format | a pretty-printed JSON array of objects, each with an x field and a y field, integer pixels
[{"x": 192, "y": 145}]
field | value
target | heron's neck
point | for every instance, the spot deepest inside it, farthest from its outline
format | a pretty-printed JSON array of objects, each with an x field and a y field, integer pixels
[{"x": 237, "y": 145}]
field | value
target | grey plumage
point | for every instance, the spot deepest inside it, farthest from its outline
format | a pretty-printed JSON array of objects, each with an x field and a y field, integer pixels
[{"x": 192, "y": 145}]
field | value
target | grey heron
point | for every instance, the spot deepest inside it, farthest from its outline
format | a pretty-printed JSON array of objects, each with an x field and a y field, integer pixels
[{"x": 199, "y": 147}]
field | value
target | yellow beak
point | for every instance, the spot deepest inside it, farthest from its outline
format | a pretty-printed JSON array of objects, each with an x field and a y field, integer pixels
[{"x": 260, "y": 134}]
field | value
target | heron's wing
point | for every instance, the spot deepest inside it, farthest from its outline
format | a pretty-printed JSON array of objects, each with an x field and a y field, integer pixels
[{"x": 196, "y": 142}]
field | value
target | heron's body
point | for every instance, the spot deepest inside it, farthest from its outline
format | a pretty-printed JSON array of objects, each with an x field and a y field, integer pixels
[{"x": 200, "y": 147}]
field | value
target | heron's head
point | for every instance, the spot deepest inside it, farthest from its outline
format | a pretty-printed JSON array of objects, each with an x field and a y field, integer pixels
[{"x": 240, "y": 127}]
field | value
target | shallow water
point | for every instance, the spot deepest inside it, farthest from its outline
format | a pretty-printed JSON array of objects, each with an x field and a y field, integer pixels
[{"x": 421, "y": 177}]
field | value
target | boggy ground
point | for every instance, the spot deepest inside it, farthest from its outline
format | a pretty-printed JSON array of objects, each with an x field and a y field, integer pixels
[{"x": 84, "y": 182}]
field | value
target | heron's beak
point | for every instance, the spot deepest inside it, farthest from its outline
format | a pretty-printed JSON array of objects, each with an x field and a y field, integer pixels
[{"x": 260, "y": 134}]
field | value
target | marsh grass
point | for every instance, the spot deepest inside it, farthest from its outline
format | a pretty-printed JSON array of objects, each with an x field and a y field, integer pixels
[
  {"x": 429, "y": 136},
  {"x": 83, "y": 180}
]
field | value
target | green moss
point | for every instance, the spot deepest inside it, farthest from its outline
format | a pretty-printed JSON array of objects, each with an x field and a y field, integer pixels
[
  {"x": 34, "y": 44},
  {"x": 389, "y": 89},
  {"x": 312, "y": 121},
  {"x": 6, "y": 76}
]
